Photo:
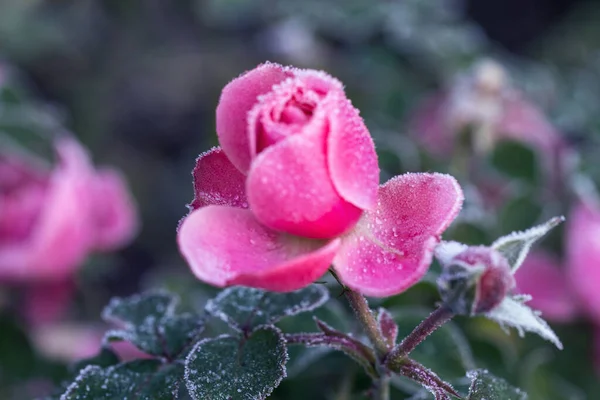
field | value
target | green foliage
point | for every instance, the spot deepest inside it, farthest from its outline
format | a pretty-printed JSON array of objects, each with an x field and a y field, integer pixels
[
  {"x": 245, "y": 308},
  {"x": 485, "y": 386},
  {"x": 136, "y": 380},
  {"x": 237, "y": 368},
  {"x": 150, "y": 322}
]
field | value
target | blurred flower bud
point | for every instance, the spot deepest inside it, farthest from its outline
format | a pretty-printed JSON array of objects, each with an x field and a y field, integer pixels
[
  {"x": 484, "y": 102},
  {"x": 475, "y": 280}
]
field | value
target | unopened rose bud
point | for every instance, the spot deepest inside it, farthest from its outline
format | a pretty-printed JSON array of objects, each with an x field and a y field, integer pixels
[{"x": 475, "y": 281}]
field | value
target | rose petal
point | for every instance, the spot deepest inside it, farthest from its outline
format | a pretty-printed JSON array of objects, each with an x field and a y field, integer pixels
[
  {"x": 583, "y": 256},
  {"x": 289, "y": 189},
  {"x": 62, "y": 235},
  {"x": 227, "y": 246},
  {"x": 113, "y": 211},
  {"x": 351, "y": 154},
  {"x": 218, "y": 182},
  {"x": 237, "y": 98},
  {"x": 276, "y": 115},
  {"x": 391, "y": 247},
  {"x": 541, "y": 277}
]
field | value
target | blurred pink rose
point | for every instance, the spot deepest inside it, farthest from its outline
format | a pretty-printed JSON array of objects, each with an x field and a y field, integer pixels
[
  {"x": 541, "y": 277},
  {"x": 50, "y": 220},
  {"x": 294, "y": 187},
  {"x": 583, "y": 255},
  {"x": 484, "y": 101},
  {"x": 583, "y": 262}
]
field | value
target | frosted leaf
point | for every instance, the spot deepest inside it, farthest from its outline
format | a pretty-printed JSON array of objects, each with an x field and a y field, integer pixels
[
  {"x": 485, "y": 386},
  {"x": 105, "y": 358},
  {"x": 516, "y": 245},
  {"x": 231, "y": 368},
  {"x": 149, "y": 321},
  {"x": 513, "y": 313},
  {"x": 243, "y": 308},
  {"x": 387, "y": 326},
  {"x": 447, "y": 250},
  {"x": 140, "y": 380}
]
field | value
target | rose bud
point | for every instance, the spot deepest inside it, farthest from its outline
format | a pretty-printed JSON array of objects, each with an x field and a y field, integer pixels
[{"x": 475, "y": 281}]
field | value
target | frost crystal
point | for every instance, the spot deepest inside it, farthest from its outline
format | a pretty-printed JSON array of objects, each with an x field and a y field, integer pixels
[
  {"x": 512, "y": 312},
  {"x": 516, "y": 245}
]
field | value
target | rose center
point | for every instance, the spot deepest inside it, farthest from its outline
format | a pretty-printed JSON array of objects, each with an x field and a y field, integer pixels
[{"x": 288, "y": 117}]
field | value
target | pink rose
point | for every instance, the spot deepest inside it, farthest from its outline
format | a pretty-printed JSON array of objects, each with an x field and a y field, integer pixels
[
  {"x": 582, "y": 244},
  {"x": 50, "y": 219},
  {"x": 294, "y": 187}
]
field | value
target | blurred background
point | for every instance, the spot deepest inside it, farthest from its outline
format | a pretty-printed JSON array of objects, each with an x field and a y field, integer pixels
[{"x": 503, "y": 94}]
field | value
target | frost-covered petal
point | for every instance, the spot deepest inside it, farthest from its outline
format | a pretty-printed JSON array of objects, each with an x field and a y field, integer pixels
[
  {"x": 227, "y": 246},
  {"x": 541, "y": 277},
  {"x": 113, "y": 211},
  {"x": 289, "y": 189},
  {"x": 217, "y": 181},
  {"x": 294, "y": 106},
  {"x": 237, "y": 99},
  {"x": 583, "y": 255},
  {"x": 351, "y": 154},
  {"x": 391, "y": 247}
]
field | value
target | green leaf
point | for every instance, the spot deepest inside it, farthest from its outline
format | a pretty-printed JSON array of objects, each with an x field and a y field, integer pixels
[
  {"x": 244, "y": 308},
  {"x": 233, "y": 368},
  {"x": 516, "y": 245},
  {"x": 150, "y": 322},
  {"x": 485, "y": 386},
  {"x": 512, "y": 312},
  {"x": 140, "y": 379}
]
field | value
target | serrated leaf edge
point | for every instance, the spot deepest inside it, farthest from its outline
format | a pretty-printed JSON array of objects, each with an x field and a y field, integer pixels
[
  {"x": 213, "y": 310},
  {"x": 282, "y": 367}
]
